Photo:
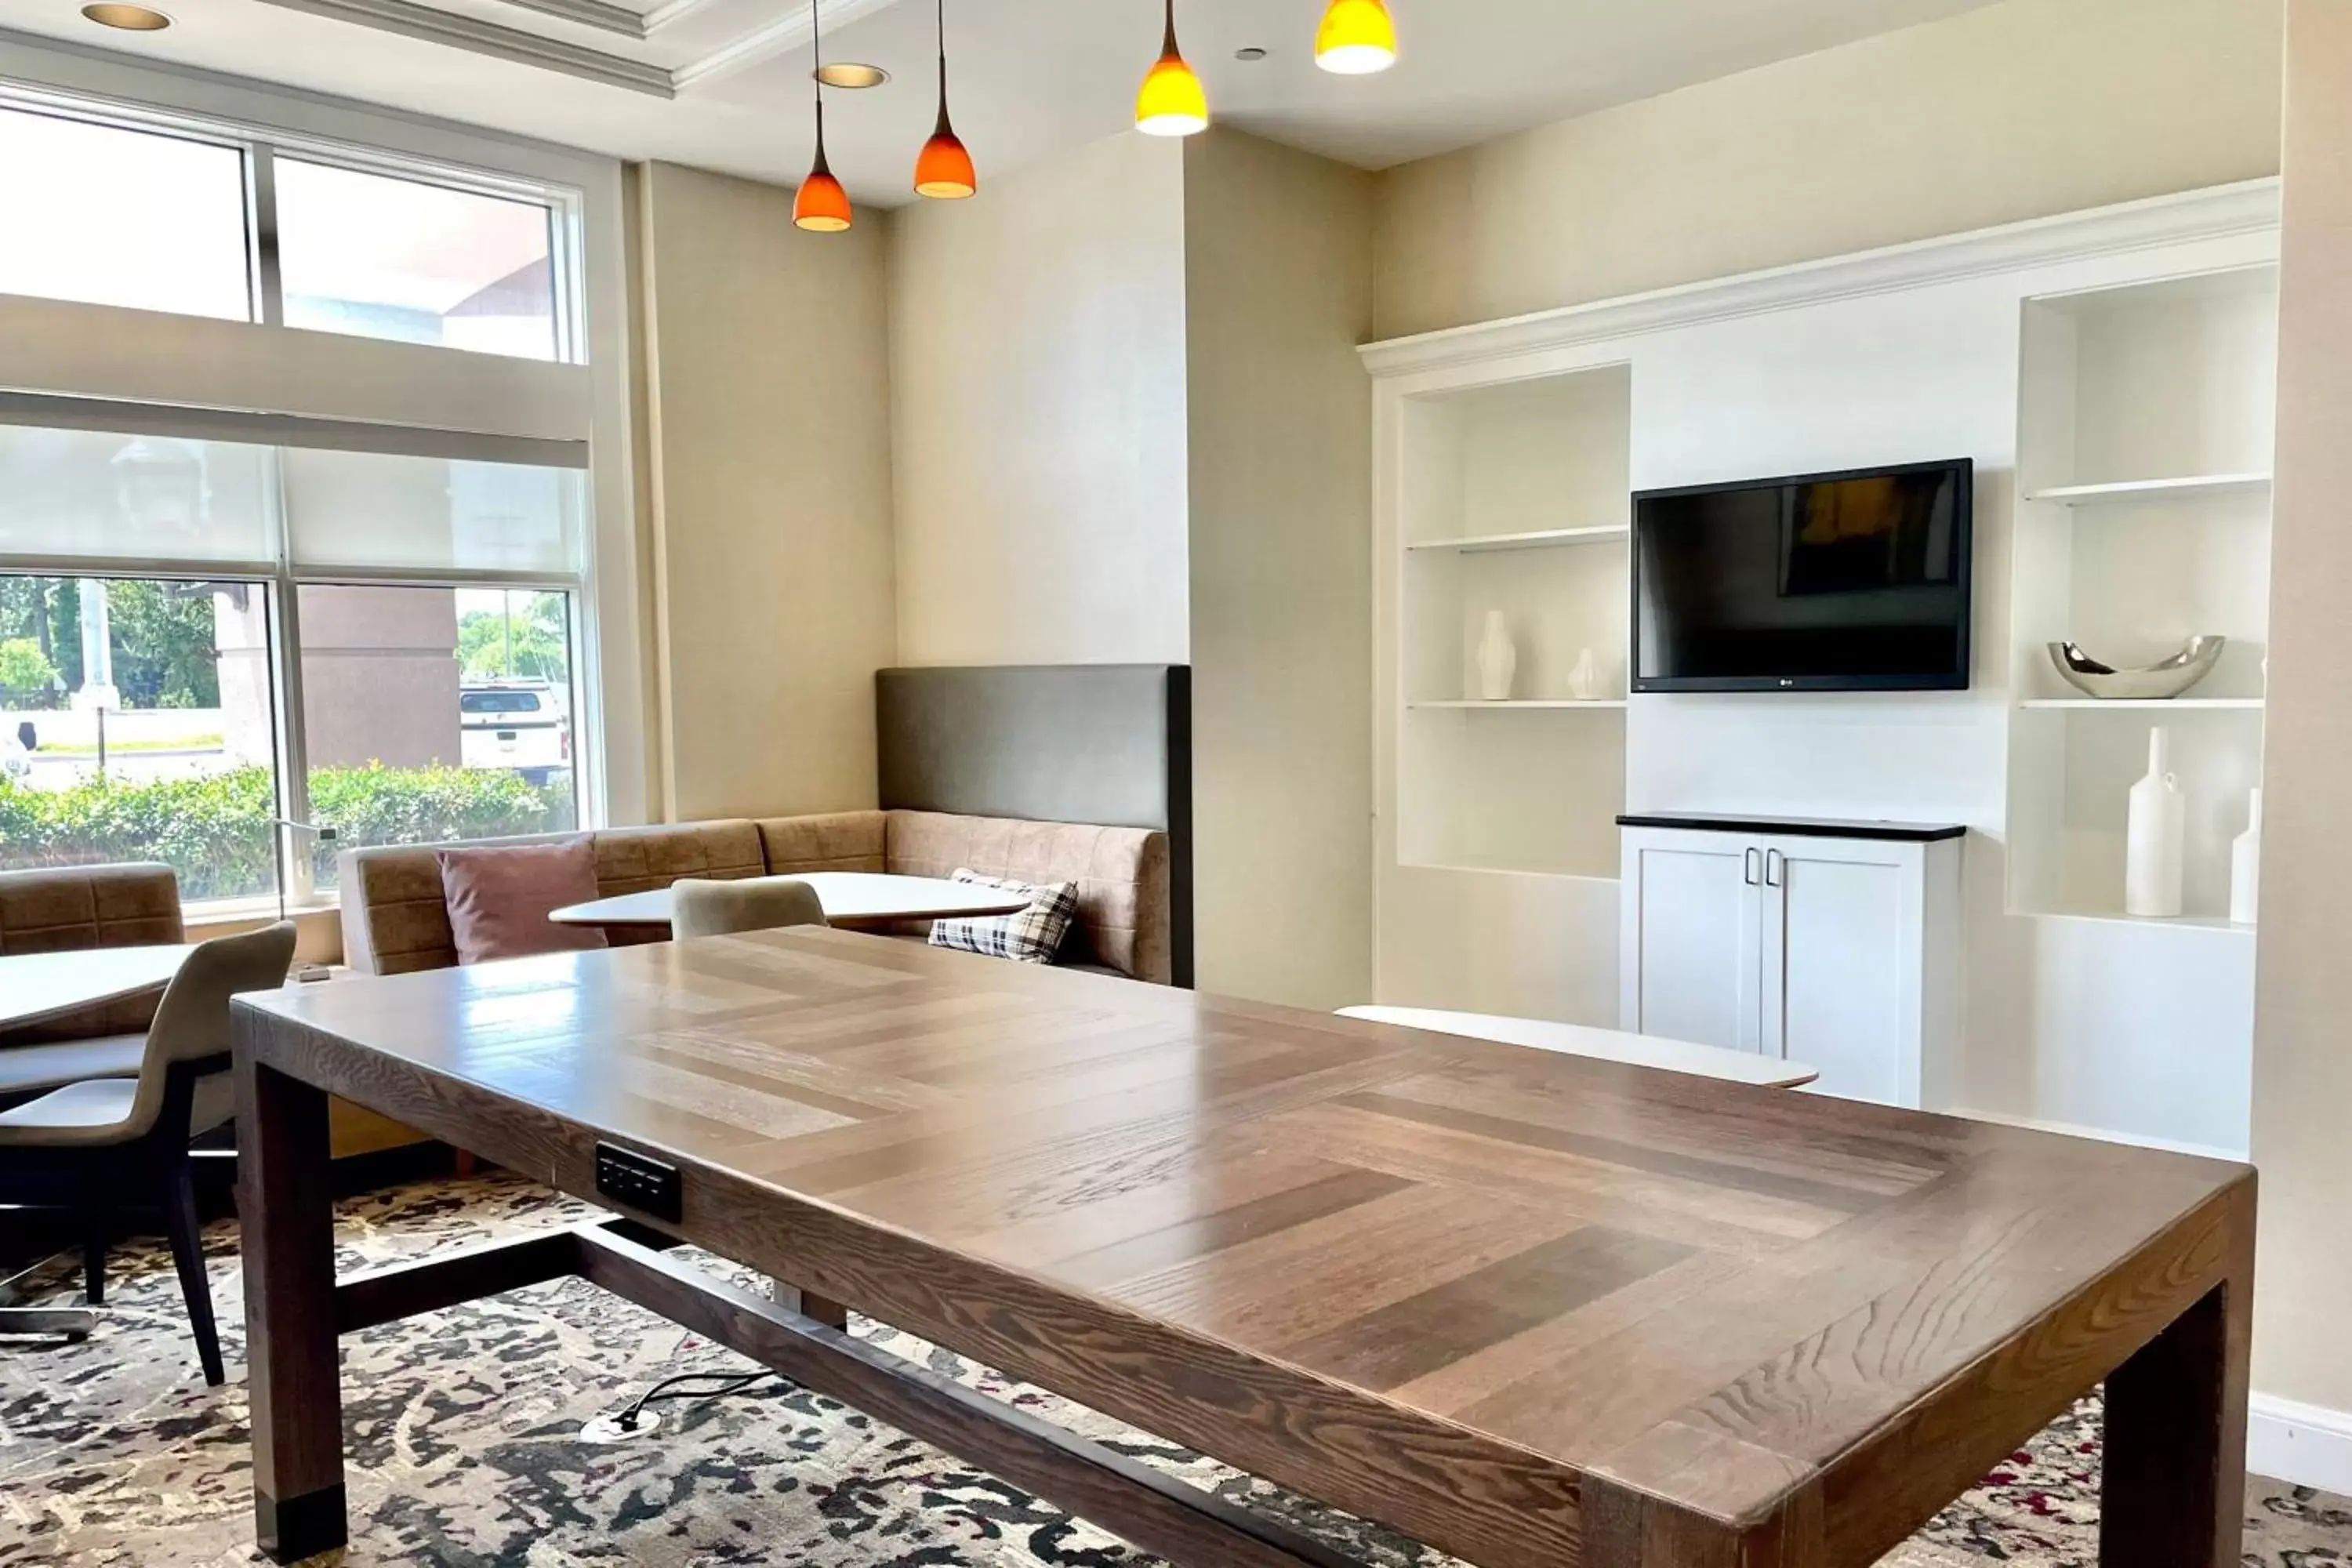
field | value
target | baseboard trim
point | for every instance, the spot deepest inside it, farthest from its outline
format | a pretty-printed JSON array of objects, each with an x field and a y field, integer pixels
[{"x": 2303, "y": 1444}]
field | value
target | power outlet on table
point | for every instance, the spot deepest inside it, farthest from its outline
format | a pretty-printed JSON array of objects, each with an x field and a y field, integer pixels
[{"x": 641, "y": 1182}]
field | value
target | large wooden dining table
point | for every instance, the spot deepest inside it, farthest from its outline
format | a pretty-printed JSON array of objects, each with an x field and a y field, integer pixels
[{"x": 1534, "y": 1311}]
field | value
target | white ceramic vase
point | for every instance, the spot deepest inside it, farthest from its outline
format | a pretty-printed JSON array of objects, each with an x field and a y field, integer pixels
[
  {"x": 1584, "y": 680},
  {"x": 1497, "y": 660},
  {"x": 2246, "y": 864},
  {"x": 2154, "y": 833}
]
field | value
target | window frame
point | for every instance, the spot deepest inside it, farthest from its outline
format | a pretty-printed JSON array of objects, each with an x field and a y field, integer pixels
[
  {"x": 262, "y": 146},
  {"x": 281, "y": 576}
]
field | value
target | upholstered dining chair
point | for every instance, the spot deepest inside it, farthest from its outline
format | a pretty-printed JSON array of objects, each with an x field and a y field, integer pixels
[
  {"x": 699, "y": 908},
  {"x": 95, "y": 1135}
]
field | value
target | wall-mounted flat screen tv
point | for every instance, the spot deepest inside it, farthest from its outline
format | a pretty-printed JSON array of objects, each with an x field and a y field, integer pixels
[{"x": 1851, "y": 582}]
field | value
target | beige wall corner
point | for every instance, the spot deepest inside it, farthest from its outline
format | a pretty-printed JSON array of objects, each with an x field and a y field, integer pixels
[
  {"x": 766, "y": 406},
  {"x": 1037, "y": 378},
  {"x": 1277, "y": 255},
  {"x": 2303, "y": 1007},
  {"x": 2017, "y": 111}
]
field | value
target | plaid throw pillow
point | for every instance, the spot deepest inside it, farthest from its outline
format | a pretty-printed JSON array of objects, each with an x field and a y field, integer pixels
[{"x": 1033, "y": 936}]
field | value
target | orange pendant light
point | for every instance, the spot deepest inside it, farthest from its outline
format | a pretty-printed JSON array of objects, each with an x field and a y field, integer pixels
[
  {"x": 1355, "y": 38},
  {"x": 943, "y": 169},
  {"x": 1172, "y": 102},
  {"x": 821, "y": 206}
]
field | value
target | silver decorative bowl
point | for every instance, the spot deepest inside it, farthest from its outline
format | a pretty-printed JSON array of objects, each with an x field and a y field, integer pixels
[{"x": 2176, "y": 675}]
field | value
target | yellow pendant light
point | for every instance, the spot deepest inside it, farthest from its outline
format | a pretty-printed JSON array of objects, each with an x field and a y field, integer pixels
[
  {"x": 1355, "y": 38},
  {"x": 1172, "y": 102},
  {"x": 821, "y": 206},
  {"x": 943, "y": 169}
]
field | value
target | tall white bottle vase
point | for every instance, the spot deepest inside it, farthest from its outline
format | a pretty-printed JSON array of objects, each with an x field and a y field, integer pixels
[
  {"x": 1498, "y": 660},
  {"x": 2246, "y": 864},
  {"x": 2155, "y": 830},
  {"x": 1584, "y": 680}
]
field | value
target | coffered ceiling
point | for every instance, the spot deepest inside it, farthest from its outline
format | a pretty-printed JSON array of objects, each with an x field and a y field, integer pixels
[{"x": 724, "y": 83}]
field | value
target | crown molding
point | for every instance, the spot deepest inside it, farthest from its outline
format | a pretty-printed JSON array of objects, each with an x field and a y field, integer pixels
[
  {"x": 781, "y": 35},
  {"x": 670, "y": 11},
  {"x": 2219, "y": 213},
  {"x": 601, "y": 14},
  {"x": 786, "y": 33},
  {"x": 491, "y": 40}
]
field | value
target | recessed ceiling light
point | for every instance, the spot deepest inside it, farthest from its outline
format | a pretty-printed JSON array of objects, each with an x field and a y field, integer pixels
[
  {"x": 130, "y": 19},
  {"x": 1253, "y": 54},
  {"x": 851, "y": 74}
]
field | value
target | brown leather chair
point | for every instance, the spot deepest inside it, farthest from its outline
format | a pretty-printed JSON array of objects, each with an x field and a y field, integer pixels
[{"x": 71, "y": 908}]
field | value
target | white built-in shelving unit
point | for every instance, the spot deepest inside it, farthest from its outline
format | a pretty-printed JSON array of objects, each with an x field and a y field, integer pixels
[
  {"x": 1515, "y": 497},
  {"x": 2144, "y": 519}
]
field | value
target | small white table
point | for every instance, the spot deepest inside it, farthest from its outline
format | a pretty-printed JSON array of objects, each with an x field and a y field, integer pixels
[
  {"x": 35, "y": 986},
  {"x": 852, "y": 900},
  {"x": 1601, "y": 1045}
]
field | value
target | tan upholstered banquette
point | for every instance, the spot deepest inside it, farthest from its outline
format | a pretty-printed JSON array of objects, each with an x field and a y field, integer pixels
[
  {"x": 68, "y": 909},
  {"x": 395, "y": 919},
  {"x": 1121, "y": 872}
]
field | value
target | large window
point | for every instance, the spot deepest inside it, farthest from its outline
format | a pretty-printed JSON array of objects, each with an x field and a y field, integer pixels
[
  {"x": 251, "y": 227},
  {"x": 240, "y": 638},
  {"x": 383, "y": 258},
  {"x": 129, "y": 729},
  {"x": 144, "y": 718},
  {"x": 115, "y": 216}
]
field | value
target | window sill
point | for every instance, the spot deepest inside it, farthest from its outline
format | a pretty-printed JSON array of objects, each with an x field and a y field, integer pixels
[{"x": 318, "y": 927}]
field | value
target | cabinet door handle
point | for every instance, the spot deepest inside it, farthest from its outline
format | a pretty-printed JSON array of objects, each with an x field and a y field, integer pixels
[
  {"x": 1749, "y": 860},
  {"x": 1776, "y": 870}
]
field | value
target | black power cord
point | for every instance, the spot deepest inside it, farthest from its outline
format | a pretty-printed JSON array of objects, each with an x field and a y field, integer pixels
[{"x": 671, "y": 1388}]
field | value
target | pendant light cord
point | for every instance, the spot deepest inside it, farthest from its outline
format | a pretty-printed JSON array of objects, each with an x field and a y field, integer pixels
[
  {"x": 943, "y": 64},
  {"x": 1168, "y": 47},
  {"x": 816, "y": 42}
]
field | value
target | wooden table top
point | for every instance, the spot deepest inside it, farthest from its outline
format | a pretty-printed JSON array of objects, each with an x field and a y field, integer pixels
[
  {"x": 1481, "y": 1292},
  {"x": 1601, "y": 1045},
  {"x": 35, "y": 986},
  {"x": 851, "y": 898}
]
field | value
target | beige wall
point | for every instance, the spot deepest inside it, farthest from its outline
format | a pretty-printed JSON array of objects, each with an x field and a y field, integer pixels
[
  {"x": 1278, "y": 293},
  {"x": 2303, "y": 1042},
  {"x": 768, "y": 496},
  {"x": 1037, "y": 380},
  {"x": 2018, "y": 110}
]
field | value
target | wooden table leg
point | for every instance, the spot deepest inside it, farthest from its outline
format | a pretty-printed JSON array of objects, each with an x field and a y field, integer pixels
[
  {"x": 2173, "y": 1491},
  {"x": 294, "y": 1374}
]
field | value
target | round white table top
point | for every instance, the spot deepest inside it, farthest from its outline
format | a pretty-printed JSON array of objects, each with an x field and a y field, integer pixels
[
  {"x": 37, "y": 986},
  {"x": 1602, "y": 1044},
  {"x": 851, "y": 898}
]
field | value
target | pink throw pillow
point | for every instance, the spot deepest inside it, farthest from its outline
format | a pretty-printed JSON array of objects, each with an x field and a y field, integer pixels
[{"x": 499, "y": 899}]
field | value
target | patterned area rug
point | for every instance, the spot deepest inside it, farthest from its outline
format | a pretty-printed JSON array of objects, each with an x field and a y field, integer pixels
[{"x": 466, "y": 1447}]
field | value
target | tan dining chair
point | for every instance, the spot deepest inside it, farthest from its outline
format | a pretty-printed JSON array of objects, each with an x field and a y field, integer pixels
[
  {"x": 699, "y": 908},
  {"x": 94, "y": 1137}
]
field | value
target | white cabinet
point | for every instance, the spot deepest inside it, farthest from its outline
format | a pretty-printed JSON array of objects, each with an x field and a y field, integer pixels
[{"x": 1833, "y": 945}]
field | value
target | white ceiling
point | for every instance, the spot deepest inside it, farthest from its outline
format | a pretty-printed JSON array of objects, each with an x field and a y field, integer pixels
[{"x": 724, "y": 83}]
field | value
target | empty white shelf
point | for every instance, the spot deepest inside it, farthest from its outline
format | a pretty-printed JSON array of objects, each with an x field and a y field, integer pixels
[
  {"x": 1543, "y": 539},
  {"x": 2191, "y": 488},
  {"x": 2187, "y": 923},
  {"x": 1525, "y": 703},
  {"x": 2242, "y": 704}
]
